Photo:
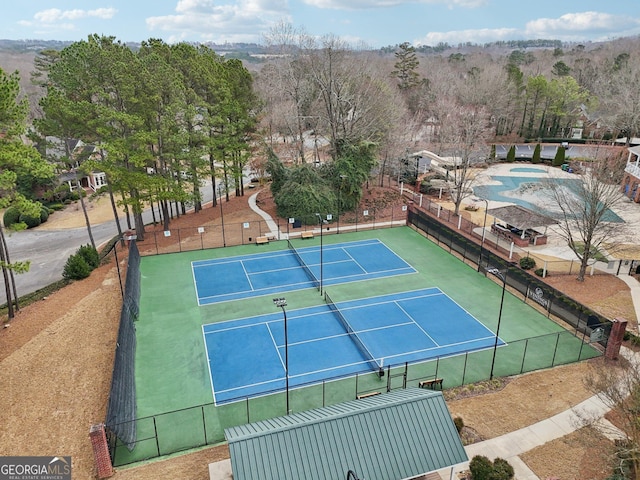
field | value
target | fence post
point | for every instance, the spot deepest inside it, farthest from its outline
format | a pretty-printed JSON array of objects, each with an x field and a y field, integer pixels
[
  {"x": 464, "y": 368},
  {"x": 155, "y": 434},
  {"x": 555, "y": 350},
  {"x": 524, "y": 355},
  {"x": 204, "y": 426}
]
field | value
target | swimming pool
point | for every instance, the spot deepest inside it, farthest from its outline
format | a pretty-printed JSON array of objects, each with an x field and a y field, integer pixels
[{"x": 531, "y": 193}]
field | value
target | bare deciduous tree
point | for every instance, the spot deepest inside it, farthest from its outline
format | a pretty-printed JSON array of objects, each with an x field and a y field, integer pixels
[
  {"x": 464, "y": 131},
  {"x": 618, "y": 387},
  {"x": 586, "y": 219}
]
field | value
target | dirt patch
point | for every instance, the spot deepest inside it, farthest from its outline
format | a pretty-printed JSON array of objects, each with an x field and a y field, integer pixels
[
  {"x": 56, "y": 359},
  {"x": 581, "y": 455}
]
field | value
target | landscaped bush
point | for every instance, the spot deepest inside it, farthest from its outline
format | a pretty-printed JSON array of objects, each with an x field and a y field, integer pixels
[
  {"x": 30, "y": 221},
  {"x": 90, "y": 255},
  {"x": 559, "y": 158},
  {"x": 11, "y": 216},
  {"x": 527, "y": 263},
  {"x": 76, "y": 268},
  {"x": 536, "y": 154},
  {"x": 481, "y": 468},
  {"x": 502, "y": 470},
  {"x": 459, "y": 423},
  {"x": 511, "y": 154},
  {"x": 44, "y": 214},
  {"x": 55, "y": 206},
  {"x": 539, "y": 272}
]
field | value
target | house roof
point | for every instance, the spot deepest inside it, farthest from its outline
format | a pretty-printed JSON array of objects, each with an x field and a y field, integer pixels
[
  {"x": 397, "y": 435},
  {"x": 521, "y": 217},
  {"x": 635, "y": 150}
]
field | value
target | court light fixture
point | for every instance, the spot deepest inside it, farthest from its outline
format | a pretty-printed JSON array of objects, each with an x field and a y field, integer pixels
[
  {"x": 321, "y": 222},
  {"x": 502, "y": 276},
  {"x": 484, "y": 228},
  {"x": 281, "y": 302}
]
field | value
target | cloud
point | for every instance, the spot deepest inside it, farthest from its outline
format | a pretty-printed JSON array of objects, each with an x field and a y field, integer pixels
[
  {"x": 479, "y": 36},
  {"x": 570, "y": 27},
  {"x": 584, "y": 24},
  {"x": 243, "y": 21},
  {"x": 54, "y": 15},
  {"x": 368, "y": 4}
]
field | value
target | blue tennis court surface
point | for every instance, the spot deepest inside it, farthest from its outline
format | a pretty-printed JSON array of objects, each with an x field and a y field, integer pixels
[
  {"x": 247, "y": 356},
  {"x": 245, "y": 276}
]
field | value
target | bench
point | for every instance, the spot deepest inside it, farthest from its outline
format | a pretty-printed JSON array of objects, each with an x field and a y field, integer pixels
[
  {"x": 432, "y": 384},
  {"x": 367, "y": 395},
  {"x": 307, "y": 234},
  {"x": 261, "y": 240}
]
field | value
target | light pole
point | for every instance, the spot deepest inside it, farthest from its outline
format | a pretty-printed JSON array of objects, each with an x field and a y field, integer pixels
[
  {"x": 342, "y": 177},
  {"x": 321, "y": 222},
  {"x": 502, "y": 277},
  {"x": 282, "y": 302},
  {"x": 484, "y": 229},
  {"x": 220, "y": 189}
]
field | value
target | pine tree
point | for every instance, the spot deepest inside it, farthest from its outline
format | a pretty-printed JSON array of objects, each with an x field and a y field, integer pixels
[{"x": 405, "y": 67}]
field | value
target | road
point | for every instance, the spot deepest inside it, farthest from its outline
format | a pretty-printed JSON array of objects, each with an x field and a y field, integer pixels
[{"x": 48, "y": 250}]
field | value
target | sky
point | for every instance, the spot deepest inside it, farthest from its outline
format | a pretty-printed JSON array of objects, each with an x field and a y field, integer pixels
[{"x": 374, "y": 23}]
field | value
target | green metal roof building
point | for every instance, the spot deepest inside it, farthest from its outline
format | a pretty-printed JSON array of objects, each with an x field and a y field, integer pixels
[{"x": 398, "y": 435}]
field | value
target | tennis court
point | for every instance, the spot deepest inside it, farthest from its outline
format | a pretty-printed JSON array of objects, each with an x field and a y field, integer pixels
[
  {"x": 233, "y": 278},
  {"x": 247, "y": 356},
  {"x": 176, "y": 380}
]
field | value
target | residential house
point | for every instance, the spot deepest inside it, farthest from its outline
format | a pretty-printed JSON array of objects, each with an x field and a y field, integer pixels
[
  {"x": 631, "y": 178},
  {"x": 69, "y": 158}
]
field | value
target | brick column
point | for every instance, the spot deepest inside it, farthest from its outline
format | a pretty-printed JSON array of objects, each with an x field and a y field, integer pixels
[
  {"x": 101, "y": 451},
  {"x": 618, "y": 327}
]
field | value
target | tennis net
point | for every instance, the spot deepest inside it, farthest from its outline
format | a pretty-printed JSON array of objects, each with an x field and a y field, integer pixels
[
  {"x": 312, "y": 277},
  {"x": 375, "y": 365}
]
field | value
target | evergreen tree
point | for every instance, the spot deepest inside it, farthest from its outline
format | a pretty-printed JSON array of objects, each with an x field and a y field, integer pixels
[
  {"x": 405, "y": 66},
  {"x": 536, "y": 154},
  {"x": 559, "y": 158},
  {"x": 511, "y": 154}
]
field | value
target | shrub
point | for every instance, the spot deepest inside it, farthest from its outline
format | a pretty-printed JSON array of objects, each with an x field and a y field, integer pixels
[
  {"x": 30, "y": 221},
  {"x": 539, "y": 272},
  {"x": 527, "y": 263},
  {"x": 18, "y": 227},
  {"x": 502, "y": 470},
  {"x": 90, "y": 255},
  {"x": 76, "y": 268},
  {"x": 511, "y": 154},
  {"x": 480, "y": 468},
  {"x": 11, "y": 216},
  {"x": 44, "y": 214},
  {"x": 459, "y": 423},
  {"x": 56, "y": 206}
]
